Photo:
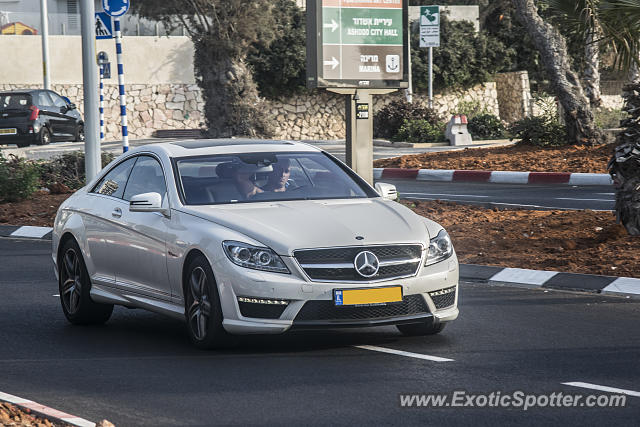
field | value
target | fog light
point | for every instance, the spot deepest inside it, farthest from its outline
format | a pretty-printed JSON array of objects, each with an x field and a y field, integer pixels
[{"x": 263, "y": 301}]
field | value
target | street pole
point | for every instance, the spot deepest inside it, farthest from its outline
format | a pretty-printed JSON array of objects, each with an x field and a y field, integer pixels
[
  {"x": 430, "y": 77},
  {"x": 123, "y": 97},
  {"x": 90, "y": 88},
  {"x": 44, "y": 28},
  {"x": 409, "y": 90},
  {"x": 101, "y": 104}
]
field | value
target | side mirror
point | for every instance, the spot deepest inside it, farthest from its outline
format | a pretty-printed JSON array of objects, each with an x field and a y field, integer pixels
[
  {"x": 71, "y": 106},
  {"x": 387, "y": 191},
  {"x": 148, "y": 202}
]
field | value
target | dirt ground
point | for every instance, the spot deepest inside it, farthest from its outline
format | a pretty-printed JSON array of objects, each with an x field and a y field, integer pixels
[
  {"x": 510, "y": 158},
  {"x": 11, "y": 415},
  {"x": 571, "y": 241}
]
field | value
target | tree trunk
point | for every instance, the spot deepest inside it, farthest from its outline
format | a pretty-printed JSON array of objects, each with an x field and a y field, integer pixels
[
  {"x": 579, "y": 121},
  {"x": 232, "y": 104},
  {"x": 592, "y": 67}
]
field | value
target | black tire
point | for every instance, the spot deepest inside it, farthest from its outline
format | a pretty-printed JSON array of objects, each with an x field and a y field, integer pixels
[
  {"x": 420, "y": 329},
  {"x": 203, "y": 312},
  {"x": 44, "y": 137},
  {"x": 79, "y": 134},
  {"x": 74, "y": 286}
]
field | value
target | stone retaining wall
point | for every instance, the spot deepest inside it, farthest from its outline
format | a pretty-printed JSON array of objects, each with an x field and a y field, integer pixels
[
  {"x": 318, "y": 115},
  {"x": 149, "y": 107}
]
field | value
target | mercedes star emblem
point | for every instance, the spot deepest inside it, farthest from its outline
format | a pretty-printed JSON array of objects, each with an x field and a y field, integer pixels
[{"x": 366, "y": 264}]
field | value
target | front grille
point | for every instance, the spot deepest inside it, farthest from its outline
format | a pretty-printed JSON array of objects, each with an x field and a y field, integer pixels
[
  {"x": 336, "y": 264},
  {"x": 444, "y": 298},
  {"x": 261, "y": 311},
  {"x": 327, "y": 310}
]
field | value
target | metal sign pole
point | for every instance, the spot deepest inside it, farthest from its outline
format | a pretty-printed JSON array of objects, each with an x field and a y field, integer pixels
[
  {"x": 90, "y": 84},
  {"x": 430, "y": 77},
  {"x": 123, "y": 97},
  {"x": 44, "y": 24},
  {"x": 101, "y": 104}
]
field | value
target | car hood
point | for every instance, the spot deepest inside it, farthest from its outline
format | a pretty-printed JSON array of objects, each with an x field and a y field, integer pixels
[{"x": 290, "y": 225}]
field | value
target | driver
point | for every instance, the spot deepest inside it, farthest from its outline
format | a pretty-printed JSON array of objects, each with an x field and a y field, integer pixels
[{"x": 278, "y": 180}]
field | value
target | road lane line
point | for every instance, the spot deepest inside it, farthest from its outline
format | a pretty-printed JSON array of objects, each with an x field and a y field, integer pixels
[
  {"x": 404, "y": 353},
  {"x": 604, "y": 388},
  {"x": 573, "y": 198},
  {"x": 447, "y": 194}
]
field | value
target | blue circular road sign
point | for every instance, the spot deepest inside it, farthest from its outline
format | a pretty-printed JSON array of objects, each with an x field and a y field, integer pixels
[{"x": 115, "y": 7}]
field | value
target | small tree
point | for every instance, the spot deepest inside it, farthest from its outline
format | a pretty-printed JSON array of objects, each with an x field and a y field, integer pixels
[{"x": 223, "y": 33}]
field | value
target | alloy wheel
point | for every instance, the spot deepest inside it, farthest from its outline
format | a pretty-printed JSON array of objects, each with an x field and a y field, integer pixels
[
  {"x": 71, "y": 277},
  {"x": 200, "y": 307}
]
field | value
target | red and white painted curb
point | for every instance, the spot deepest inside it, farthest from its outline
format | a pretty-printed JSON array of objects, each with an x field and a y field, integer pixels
[
  {"x": 496, "y": 177},
  {"x": 48, "y": 413}
]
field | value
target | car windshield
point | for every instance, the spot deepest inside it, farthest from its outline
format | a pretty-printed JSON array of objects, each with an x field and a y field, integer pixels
[
  {"x": 15, "y": 101},
  {"x": 255, "y": 177}
]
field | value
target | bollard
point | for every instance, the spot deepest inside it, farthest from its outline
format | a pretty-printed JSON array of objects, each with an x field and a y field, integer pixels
[{"x": 457, "y": 132}]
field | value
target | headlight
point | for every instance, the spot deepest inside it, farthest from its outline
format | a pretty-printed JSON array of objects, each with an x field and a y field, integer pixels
[
  {"x": 255, "y": 257},
  {"x": 440, "y": 248}
]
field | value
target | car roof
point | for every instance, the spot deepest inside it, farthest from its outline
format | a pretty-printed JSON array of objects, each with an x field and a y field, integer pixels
[
  {"x": 4, "y": 92},
  {"x": 203, "y": 147}
]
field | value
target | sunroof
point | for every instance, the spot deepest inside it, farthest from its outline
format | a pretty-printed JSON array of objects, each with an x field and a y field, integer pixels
[{"x": 204, "y": 143}]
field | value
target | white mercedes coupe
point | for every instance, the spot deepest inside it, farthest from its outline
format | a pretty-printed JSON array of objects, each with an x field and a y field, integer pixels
[{"x": 250, "y": 237}]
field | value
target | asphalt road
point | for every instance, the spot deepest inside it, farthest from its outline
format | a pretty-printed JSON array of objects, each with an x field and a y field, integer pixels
[
  {"x": 510, "y": 195},
  {"x": 139, "y": 368}
]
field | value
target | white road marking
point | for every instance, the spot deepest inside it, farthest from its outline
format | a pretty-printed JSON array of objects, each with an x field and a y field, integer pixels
[
  {"x": 573, "y": 198},
  {"x": 604, "y": 388},
  {"x": 56, "y": 295},
  {"x": 404, "y": 353},
  {"x": 451, "y": 195}
]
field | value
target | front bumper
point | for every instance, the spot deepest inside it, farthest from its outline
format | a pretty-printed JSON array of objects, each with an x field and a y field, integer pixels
[{"x": 234, "y": 282}]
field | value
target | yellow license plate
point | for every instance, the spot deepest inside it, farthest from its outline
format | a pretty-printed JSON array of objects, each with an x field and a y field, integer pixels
[
  {"x": 367, "y": 296},
  {"x": 8, "y": 131}
]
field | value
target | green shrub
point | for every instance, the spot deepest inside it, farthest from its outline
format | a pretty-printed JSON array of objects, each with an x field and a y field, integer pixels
[
  {"x": 609, "y": 118},
  {"x": 279, "y": 67},
  {"x": 66, "y": 172},
  {"x": 19, "y": 178},
  {"x": 464, "y": 58},
  {"x": 420, "y": 130},
  {"x": 542, "y": 131},
  {"x": 486, "y": 126},
  {"x": 388, "y": 121},
  {"x": 471, "y": 109}
]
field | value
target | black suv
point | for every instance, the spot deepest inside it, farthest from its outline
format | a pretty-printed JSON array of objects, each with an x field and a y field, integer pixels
[{"x": 36, "y": 116}]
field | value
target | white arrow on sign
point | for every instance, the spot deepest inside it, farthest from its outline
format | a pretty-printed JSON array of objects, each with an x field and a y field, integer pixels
[
  {"x": 334, "y": 63},
  {"x": 333, "y": 25}
]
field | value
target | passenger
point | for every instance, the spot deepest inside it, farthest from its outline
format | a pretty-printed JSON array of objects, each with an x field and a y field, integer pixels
[
  {"x": 279, "y": 179},
  {"x": 242, "y": 179}
]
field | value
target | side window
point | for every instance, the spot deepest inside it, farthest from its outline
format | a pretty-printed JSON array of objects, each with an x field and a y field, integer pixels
[
  {"x": 146, "y": 177},
  {"x": 57, "y": 100},
  {"x": 113, "y": 183},
  {"x": 44, "y": 100}
]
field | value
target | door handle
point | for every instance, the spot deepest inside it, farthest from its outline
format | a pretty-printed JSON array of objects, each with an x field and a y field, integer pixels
[{"x": 117, "y": 213}]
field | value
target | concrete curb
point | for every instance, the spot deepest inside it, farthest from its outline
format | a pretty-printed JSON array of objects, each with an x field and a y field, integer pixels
[
  {"x": 26, "y": 231},
  {"x": 495, "y": 177},
  {"x": 45, "y": 412},
  {"x": 606, "y": 285},
  {"x": 479, "y": 273}
]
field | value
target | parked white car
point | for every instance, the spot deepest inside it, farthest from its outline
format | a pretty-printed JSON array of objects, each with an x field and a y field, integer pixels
[{"x": 250, "y": 236}]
